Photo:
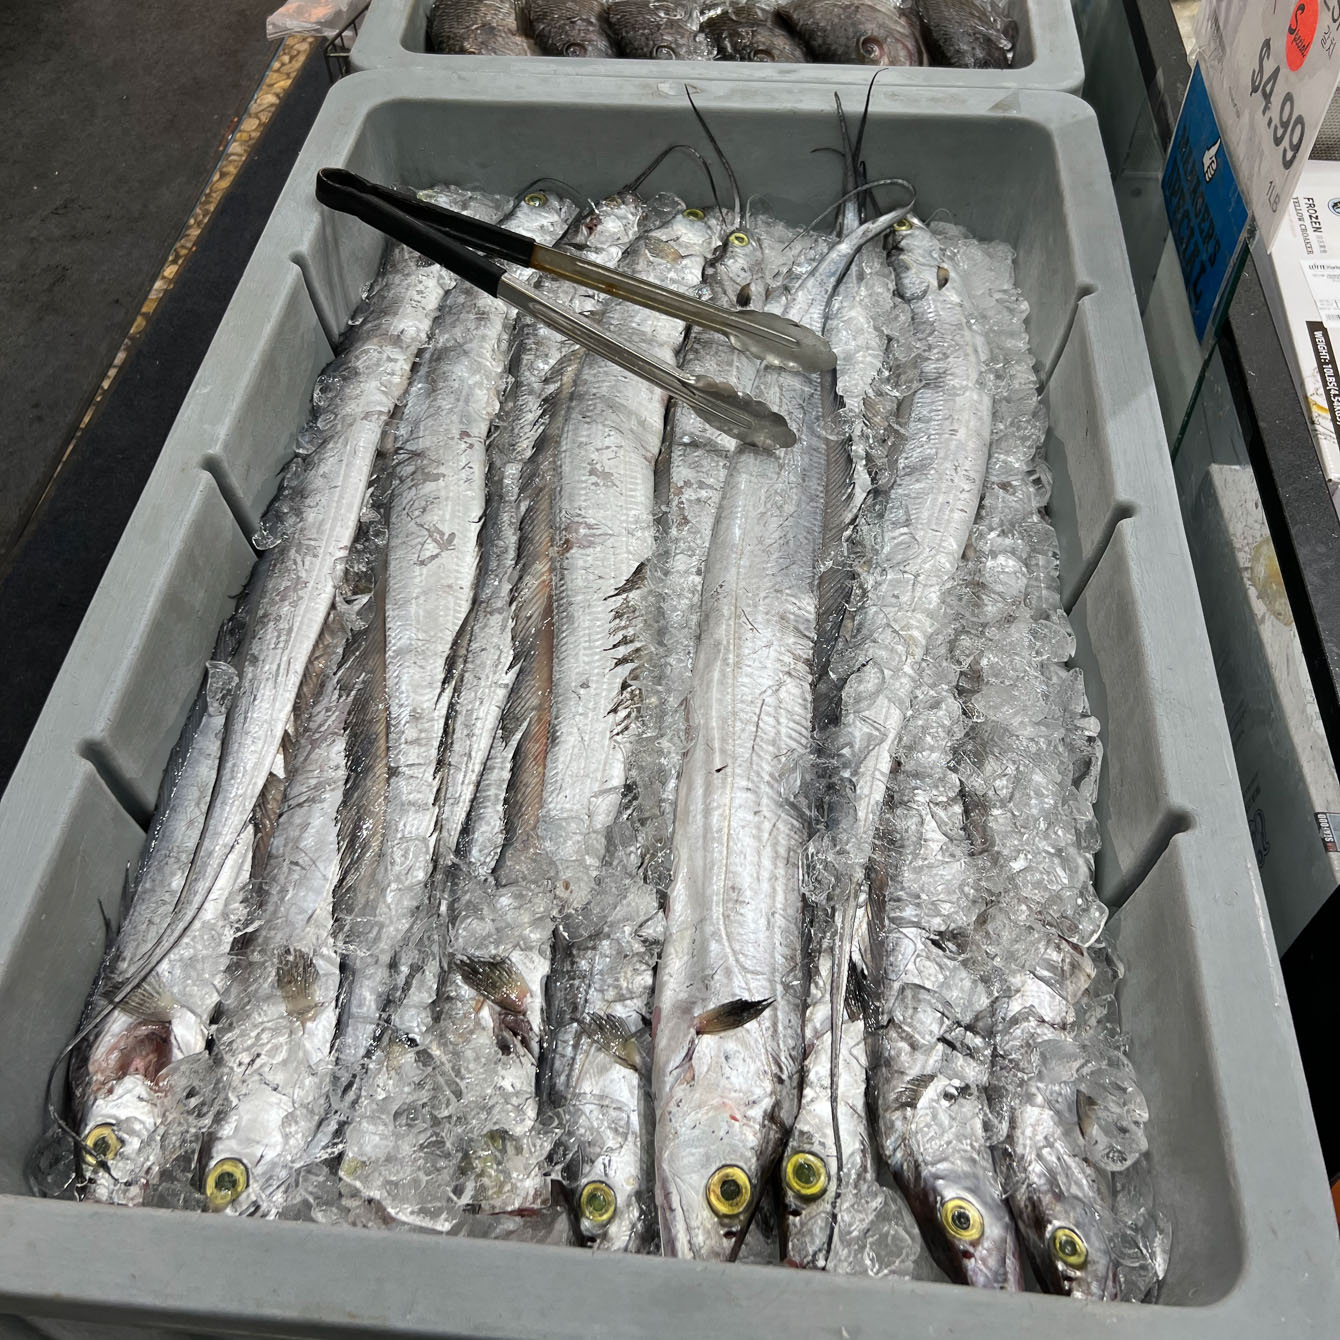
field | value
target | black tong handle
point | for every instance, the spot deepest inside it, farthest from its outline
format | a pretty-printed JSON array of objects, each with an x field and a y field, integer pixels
[{"x": 427, "y": 228}]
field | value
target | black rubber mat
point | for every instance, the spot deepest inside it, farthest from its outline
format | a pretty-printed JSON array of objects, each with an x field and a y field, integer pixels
[
  {"x": 114, "y": 116},
  {"x": 56, "y": 568}
]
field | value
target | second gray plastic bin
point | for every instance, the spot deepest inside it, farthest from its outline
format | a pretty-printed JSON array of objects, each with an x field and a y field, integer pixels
[
  {"x": 1234, "y": 1152},
  {"x": 394, "y": 34}
]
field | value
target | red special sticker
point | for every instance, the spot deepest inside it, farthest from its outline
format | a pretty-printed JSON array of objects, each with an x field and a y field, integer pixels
[{"x": 1302, "y": 29}]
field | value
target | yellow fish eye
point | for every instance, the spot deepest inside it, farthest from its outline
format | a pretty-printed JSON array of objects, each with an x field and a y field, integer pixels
[
  {"x": 101, "y": 1142},
  {"x": 962, "y": 1219},
  {"x": 225, "y": 1182},
  {"x": 596, "y": 1203},
  {"x": 536, "y": 198},
  {"x": 1068, "y": 1248},
  {"x": 904, "y": 225},
  {"x": 728, "y": 1191},
  {"x": 806, "y": 1175},
  {"x": 740, "y": 239},
  {"x": 694, "y": 214}
]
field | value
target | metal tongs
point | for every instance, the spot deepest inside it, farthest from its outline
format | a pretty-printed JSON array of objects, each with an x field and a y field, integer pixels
[{"x": 456, "y": 241}]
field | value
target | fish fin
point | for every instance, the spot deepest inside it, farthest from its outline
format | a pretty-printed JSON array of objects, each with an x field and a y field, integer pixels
[
  {"x": 835, "y": 576},
  {"x": 221, "y": 681},
  {"x": 315, "y": 670},
  {"x": 858, "y": 1003},
  {"x": 109, "y": 930},
  {"x": 635, "y": 581},
  {"x": 496, "y": 979},
  {"x": 613, "y": 1036},
  {"x": 733, "y": 1014},
  {"x": 265, "y": 815},
  {"x": 297, "y": 979},
  {"x": 910, "y": 1093},
  {"x": 361, "y": 818},
  {"x": 150, "y": 1001},
  {"x": 628, "y": 620}
]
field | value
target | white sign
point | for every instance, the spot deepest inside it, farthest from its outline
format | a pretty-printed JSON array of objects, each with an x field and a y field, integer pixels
[{"x": 1270, "y": 67}]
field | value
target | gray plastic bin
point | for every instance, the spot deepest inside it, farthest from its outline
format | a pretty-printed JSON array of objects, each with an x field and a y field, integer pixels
[
  {"x": 394, "y": 33},
  {"x": 1255, "y": 1248}
]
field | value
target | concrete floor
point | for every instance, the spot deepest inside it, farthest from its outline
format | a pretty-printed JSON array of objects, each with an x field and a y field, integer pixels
[{"x": 115, "y": 115}]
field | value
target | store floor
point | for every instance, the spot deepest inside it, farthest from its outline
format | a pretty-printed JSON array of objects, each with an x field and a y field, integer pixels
[{"x": 115, "y": 119}]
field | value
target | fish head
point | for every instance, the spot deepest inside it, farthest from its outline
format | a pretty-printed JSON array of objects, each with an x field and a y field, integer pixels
[
  {"x": 118, "y": 1152},
  {"x": 249, "y": 1161},
  {"x": 541, "y": 212},
  {"x": 604, "y": 1134},
  {"x": 739, "y": 277},
  {"x": 123, "y": 1104},
  {"x": 610, "y": 225},
  {"x": 692, "y": 231},
  {"x": 676, "y": 42},
  {"x": 717, "y": 1142},
  {"x": 915, "y": 242},
  {"x": 808, "y": 1184},
  {"x": 1065, "y": 1231},
  {"x": 609, "y": 1190},
  {"x": 918, "y": 260},
  {"x": 968, "y": 1227},
  {"x": 885, "y": 36},
  {"x": 610, "y": 1208}
]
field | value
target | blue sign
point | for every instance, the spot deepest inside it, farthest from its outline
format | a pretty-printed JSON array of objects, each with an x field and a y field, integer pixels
[{"x": 1206, "y": 210}]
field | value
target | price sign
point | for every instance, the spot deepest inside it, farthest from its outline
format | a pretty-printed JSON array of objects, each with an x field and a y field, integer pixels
[
  {"x": 1270, "y": 67},
  {"x": 1206, "y": 212}
]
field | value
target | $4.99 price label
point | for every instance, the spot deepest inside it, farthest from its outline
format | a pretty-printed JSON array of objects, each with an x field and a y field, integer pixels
[{"x": 1270, "y": 68}]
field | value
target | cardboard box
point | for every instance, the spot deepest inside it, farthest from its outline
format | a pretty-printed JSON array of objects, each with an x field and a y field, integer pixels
[
  {"x": 1301, "y": 278},
  {"x": 1289, "y": 783}
]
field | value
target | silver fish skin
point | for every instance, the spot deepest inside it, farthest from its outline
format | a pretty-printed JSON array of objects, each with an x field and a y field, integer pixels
[
  {"x": 434, "y": 514},
  {"x": 274, "y": 1041},
  {"x": 660, "y": 30},
  {"x": 857, "y": 32},
  {"x": 1031, "y": 736},
  {"x": 916, "y": 532},
  {"x": 593, "y": 1070},
  {"x": 837, "y": 1215},
  {"x": 477, "y": 28},
  {"x": 499, "y": 928},
  {"x": 969, "y": 34},
  {"x": 830, "y": 1144},
  {"x": 691, "y": 473},
  {"x": 1059, "y": 1202},
  {"x": 929, "y": 1061},
  {"x": 487, "y": 1017},
  {"x": 572, "y": 28},
  {"x": 310, "y": 527},
  {"x": 481, "y": 666},
  {"x": 752, "y": 32},
  {"x": 604, "y": 533},
  {"x": 114, "y": 1072},
  {"x": 727, "y": 1042},
  {"x": 860, "y": 323}
]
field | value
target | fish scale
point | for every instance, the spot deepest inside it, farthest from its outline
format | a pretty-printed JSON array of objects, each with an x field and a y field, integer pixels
[
  {"x": 477, "y": 28},
  {"x": 571, "y": 28},
  {"x": 857, "y": 32}
]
